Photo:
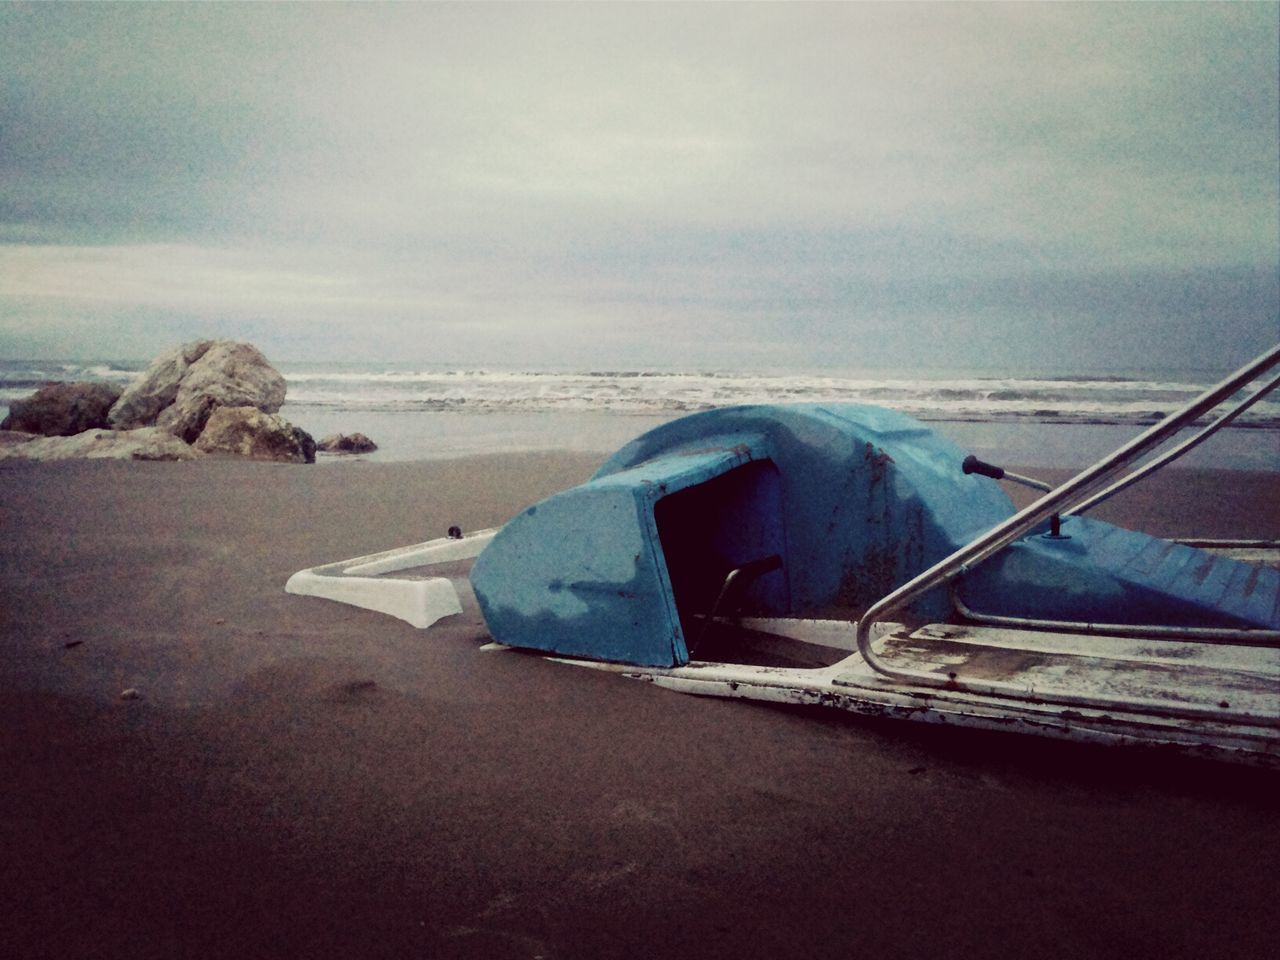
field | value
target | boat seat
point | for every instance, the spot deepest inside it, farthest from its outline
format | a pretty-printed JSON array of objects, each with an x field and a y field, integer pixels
[{"x": 733, "y": 589}]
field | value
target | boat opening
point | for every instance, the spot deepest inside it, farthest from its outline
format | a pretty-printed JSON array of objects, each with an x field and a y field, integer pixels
[{"x": 723, "y": 543}]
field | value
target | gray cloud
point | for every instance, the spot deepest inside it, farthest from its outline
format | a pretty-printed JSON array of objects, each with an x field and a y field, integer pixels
[{"x": 720, "y": 182}]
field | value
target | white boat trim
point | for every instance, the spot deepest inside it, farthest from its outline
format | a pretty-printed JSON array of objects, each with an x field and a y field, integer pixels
[
  {"x": 417, "y": 601},
  {"x": 1215, "y": 699}
]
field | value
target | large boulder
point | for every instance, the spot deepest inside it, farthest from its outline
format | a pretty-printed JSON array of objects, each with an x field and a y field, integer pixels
[
  {"x": 181, "y": 389},
  {"x": 248, "y": 432},
  {"x": 62, "y": 409},
  {"x": 142, "y": 401},
  {"x": 347, "y": 443},
  {"x": 145, "y": 443}
]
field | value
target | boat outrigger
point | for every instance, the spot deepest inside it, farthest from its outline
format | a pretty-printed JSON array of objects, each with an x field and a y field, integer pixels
[{"x": 730, "y": 552}]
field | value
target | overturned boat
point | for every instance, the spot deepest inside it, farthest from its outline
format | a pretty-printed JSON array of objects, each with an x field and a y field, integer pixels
[{"x": 849, "y": 556}]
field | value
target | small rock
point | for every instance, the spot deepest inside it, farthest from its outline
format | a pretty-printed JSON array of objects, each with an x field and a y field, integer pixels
[
  {"x": 353, "y": 691},
  {"x": 347, "y": 443},
  {"x": 130, "y": 694}
]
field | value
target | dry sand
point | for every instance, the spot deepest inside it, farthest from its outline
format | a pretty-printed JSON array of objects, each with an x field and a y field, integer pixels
[{"x": 303, "y": 779}]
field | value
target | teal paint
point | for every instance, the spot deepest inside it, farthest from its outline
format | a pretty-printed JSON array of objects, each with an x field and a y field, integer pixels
[{"x": 855, "y": 500}]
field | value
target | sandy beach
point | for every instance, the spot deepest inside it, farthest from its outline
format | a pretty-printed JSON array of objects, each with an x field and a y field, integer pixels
[{"x": 296, "y": 778}]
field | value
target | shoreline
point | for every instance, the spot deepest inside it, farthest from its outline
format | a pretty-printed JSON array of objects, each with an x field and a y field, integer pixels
[
  {"x": 297, "y": 777},
  {"x": 420, "y": 437},
  {"x": 1060, "y": 440}
]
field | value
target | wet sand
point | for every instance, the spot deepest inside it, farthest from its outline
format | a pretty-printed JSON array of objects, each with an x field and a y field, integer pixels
[{"x": 297, "y": 778}]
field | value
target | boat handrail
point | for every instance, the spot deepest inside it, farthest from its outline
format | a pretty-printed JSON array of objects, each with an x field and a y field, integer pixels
[
  {"x": 1247, "y": 636},
  {"x": 1174, "y": 453},
  {"x": 1068, "y": 495}
]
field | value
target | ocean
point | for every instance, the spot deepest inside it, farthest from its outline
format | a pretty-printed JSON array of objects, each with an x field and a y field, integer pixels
[{"x": 419, "y": 412}]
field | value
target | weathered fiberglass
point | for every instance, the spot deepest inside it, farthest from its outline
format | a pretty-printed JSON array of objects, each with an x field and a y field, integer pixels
[
  {"x": 833, "y": 507},
  {"x": 853, "y": 500}
]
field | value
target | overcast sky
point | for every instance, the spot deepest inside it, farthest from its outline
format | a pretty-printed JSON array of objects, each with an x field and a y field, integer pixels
[{"x": 632, "y": 185}]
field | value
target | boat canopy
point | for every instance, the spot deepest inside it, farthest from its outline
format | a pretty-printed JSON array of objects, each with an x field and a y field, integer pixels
[
  {"x": 829, "y": 507},
  {"x": 817, "y": 511}
]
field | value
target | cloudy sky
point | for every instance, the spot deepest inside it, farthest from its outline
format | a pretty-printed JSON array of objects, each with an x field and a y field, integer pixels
[{"x": 730, "y": 185}]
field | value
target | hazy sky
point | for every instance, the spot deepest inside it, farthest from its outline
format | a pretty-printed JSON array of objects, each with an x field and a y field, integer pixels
[{"x": 631, "y": 185}]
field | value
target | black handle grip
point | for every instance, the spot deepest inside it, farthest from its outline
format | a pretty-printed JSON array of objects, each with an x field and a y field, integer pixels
[{"x": 972, "y": 464}]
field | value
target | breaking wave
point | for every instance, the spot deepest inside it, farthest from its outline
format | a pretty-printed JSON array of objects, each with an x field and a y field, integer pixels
[
  {"x": 387, "y": 388},
  {"x": 1089, "y": 399}
]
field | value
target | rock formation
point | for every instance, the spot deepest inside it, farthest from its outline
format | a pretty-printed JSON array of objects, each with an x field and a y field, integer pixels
[
  {"x": 220, "y": 395},
  {"x": 347, "y": 443},
  {"x": 180, "y": 389},
  {"x": 62, "y": 409},
  {"x": 246, "y": 431},
  {"x": 145, "y": 443},
  {"x": 12, "y": 438}
]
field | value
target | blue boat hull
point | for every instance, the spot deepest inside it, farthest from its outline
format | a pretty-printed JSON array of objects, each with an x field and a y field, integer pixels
[
  {"x": 852, "y": 500},
  {"x": 833, "y": 507}
]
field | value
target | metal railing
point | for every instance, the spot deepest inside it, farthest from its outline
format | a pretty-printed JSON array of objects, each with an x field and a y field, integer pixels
[
  {"x": 1070, "y": 494},
  {"x": 1185, "y": 447},
  {"x": 1249, "y": 636}
]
